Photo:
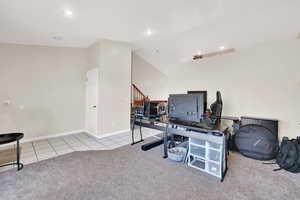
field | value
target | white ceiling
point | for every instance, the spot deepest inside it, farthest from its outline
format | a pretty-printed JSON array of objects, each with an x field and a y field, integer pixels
[{"x": 180, "y": 27}]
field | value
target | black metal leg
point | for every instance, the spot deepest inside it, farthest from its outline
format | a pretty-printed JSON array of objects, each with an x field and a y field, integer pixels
[
  {"x": 20, "y": 165},
  {"x": 18, "y": 154},
  {"x": 141, "y": 131},
  {"x": 186, "y": 155},
  {"x": 132, "y": 131},
  {"x": 13, "y": 137},
  {"x": 165, "y": 135},
  {"x": 225, "y": 154}
]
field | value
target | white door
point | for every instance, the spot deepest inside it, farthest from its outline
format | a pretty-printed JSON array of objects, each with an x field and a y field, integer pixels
[{"x": 91, "y": 119}]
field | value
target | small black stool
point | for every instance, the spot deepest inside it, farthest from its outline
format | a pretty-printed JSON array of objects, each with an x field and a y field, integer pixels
[{"x": 12, "y": 137}]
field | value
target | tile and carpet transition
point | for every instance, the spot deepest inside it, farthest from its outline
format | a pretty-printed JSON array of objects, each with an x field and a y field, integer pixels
[
  {"x": 48, "y": 148},
  {"x": 128, "y": 173}
]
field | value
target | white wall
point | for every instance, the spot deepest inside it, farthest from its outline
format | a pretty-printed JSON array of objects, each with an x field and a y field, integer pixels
[
  {"x": 263, "y": 82},
  {"x": 151, "y": 81},
  {"x": 48, "y": 83},
  {"x": 114, "y": 63},
  {"x": 94, "y": 55}
]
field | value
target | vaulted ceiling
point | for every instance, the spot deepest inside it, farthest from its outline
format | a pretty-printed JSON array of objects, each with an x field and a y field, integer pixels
[{"x": 164, "y": 32}]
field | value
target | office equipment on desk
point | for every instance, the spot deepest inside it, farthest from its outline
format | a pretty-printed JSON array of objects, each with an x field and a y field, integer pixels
[
  {"x": 213, "y": 117},
  {"x": 151, "y": 109},
  {"x": 215, "y": 140},
  {"x": 139, "y": 111},
  {"x": 202, "y": 92},
  {"x": 188, "y": 118},
  {"x": 186, "y": 107},
  {"x": 154, "y": 109},
  {"x": 190, "y": 109}
]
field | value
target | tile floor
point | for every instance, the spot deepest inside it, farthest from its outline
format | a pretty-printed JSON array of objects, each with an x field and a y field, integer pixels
[{"x": 49, "y": 148}]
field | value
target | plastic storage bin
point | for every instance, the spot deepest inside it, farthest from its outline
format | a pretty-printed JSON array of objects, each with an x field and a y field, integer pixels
[
  {"x": 177, "y": 154},
  {"x": 197, "y": 151},
  {"x": 214, "y": 145},
  {"x": 214, "y": 168},
  {"x": 205, "y": 153},
  {"x": 197, "y": 162},
  {"x": 214, "y": 155},
  {"x": 197, "y": 141}
]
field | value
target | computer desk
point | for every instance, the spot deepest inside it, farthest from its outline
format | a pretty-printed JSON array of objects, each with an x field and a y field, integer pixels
[{"x": 169, "y": 129}]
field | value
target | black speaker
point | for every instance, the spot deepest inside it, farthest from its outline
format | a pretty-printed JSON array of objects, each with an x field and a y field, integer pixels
[{"x": 271, "y": 124}]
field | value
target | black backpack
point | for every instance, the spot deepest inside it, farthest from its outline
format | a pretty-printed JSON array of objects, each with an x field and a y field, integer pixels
[
  {"x": 289, "y": 155},
  {"x": 257, "y": 142}
]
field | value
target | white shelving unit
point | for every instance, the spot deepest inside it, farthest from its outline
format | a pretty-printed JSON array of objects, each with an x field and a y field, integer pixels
[{"x": 208, "y": 154}]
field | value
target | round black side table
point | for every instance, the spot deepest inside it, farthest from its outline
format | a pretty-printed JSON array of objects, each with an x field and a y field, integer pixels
[{"x": 12, "y": 137}]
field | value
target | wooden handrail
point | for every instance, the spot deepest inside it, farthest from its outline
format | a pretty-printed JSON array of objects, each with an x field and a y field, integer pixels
[
  {"x": 139, "y": 91},
  {"x": 138, "y": 97}
]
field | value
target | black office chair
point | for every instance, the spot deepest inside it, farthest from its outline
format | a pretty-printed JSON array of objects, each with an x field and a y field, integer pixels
[{"x": 214, "y": 120}]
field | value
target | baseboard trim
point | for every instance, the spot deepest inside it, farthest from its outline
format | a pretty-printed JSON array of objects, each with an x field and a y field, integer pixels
[
  {"x": 52, "y": 136},
  {"x": 44, "y": 137},
  {"x": 107, "y": 134}
]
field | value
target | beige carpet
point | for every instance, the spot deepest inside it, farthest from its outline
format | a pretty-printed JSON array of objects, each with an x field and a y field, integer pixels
[{"x": 128, "y": 173}]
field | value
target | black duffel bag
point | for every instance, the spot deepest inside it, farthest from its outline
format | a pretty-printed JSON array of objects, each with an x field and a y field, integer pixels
[
  {"x": 289, "y": 155},
  {"x": 257, "y": 142}
]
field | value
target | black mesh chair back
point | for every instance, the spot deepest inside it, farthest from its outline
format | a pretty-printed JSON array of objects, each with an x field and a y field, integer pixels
[{"x": 216, "y": 110}]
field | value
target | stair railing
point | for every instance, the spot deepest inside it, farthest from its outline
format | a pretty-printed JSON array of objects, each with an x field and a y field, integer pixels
[{"x": 138, "y": 97}]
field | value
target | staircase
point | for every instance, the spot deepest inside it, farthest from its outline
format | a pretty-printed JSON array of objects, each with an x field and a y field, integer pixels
[{"x": 138, "y": 97}]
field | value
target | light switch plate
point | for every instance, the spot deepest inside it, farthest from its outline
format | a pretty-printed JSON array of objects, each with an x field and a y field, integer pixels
[{"x": 6, "y": 102}]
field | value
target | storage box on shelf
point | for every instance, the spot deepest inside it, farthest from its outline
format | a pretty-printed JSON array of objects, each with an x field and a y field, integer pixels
[{"x": 208, "y": 154}]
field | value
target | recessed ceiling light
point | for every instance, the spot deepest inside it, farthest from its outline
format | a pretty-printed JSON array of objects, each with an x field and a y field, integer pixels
[
  {"x": 221, "y": 48},
  {"x": 199, "y": 53},
  {"x": 68, "y": 13},
  {"x": 148, "y": 32}
]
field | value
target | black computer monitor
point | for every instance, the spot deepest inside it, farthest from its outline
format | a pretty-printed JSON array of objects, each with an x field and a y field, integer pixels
[
  {"x": 151, "y": 109},
  {"x": 187, "y": 107},
  {"x": 204, "y": 96}
]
